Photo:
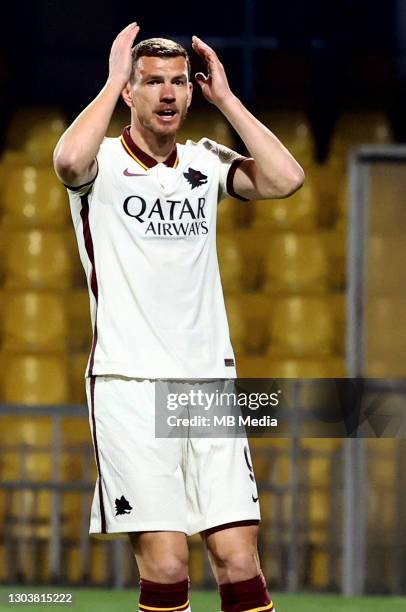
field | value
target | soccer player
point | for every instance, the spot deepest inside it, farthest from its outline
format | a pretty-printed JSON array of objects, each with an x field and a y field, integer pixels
[{"x": 144, "y": 211}]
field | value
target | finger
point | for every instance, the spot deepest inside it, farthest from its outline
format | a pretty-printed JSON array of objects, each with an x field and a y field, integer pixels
[
  {"x": 129, "y": 32},
  {"x": 203, "y": 49}
]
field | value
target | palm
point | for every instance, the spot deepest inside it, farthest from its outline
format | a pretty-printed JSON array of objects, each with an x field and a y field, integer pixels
[{"x": 215, "y": 85}]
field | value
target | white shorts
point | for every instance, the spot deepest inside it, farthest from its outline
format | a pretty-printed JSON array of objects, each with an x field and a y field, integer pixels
[{"x": 161, "y": 484}]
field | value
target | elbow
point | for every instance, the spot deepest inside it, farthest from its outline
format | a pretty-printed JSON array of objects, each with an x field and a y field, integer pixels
[
  {"x": 66, "y": 165},
  {"x": 295, "y": 182},
  {"x": 286, "y": 186}
]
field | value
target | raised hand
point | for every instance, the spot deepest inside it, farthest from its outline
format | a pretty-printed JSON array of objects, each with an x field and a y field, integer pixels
[
  {"x": 214, "y": 85},
  {"x": 120, "y": 61}
]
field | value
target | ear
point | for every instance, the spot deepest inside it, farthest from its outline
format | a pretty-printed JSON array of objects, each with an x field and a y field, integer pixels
[
  {"x": 127, "y": 95},
  {"x": 190, "y": 93}
]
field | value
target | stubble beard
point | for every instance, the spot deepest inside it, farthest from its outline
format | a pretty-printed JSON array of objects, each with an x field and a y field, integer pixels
[{"x": 163, "y": 136}]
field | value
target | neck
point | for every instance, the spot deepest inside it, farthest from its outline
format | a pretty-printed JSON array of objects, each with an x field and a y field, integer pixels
[{"x": 158, "y": 147}]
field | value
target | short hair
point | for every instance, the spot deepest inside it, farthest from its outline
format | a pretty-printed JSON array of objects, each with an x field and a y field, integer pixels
[{"x": 159, "y": 47}]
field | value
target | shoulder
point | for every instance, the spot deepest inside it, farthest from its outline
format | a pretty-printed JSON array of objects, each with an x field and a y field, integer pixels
[
  {"x": 204, "y": 146},
  {"x": 110, "y": 146}
]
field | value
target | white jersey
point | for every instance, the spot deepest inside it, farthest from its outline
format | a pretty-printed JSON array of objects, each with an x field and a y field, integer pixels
[{"x": 146, "y": 233}]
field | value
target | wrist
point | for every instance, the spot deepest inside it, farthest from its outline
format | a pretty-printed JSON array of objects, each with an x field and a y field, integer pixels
[
  {"x": 115, "y": 84},
  {"x": 228, "y": 103}
]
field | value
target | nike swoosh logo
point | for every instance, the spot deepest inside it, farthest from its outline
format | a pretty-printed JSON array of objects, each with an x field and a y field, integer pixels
[
  {"x": 127, "y": 173},
  {"x": 255, "y": 499}
]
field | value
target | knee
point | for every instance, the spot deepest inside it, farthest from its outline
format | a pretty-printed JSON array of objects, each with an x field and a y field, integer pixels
[
  {"x": 167, "y": 568},
  {"x": 234, "y": 566}
]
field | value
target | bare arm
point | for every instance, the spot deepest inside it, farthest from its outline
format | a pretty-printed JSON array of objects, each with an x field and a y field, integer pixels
[
  {"x": 75, "y": 154},
  {"x": 272, "y": 172}
]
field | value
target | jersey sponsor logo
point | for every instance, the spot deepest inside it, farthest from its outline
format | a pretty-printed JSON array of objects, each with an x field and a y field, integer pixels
[
  {"x": 229, "y": 363},
  {"x": 128, "y": 173},
  {"x": 175, "y": 218},
  {"x": 123, "y": 506},
  {"x": 195, "y": 177}
]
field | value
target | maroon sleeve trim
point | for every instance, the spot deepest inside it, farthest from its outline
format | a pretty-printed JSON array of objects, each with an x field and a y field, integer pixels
[
  {"x": 78, "y": 187},
  {"x": 230, "y": 179}
]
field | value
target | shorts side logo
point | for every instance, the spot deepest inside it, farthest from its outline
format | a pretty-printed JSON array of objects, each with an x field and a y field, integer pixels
[{"x": 123, "y": 506}]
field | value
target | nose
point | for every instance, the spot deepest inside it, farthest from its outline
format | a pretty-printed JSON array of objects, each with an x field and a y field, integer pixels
[{"x": 167, "y": 93}]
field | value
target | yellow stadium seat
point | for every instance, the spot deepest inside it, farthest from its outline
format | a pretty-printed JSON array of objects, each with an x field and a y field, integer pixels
[
  {"x": 336, "y": 248},
  {"x": 197, "y": 561},
  {"x": 257, "y": 311},
  {"x": 2, "y": 359},
  {"x": 387, "y": 214},
  {"x": 29, "y": 431},
  {"x": 74, "y": 564},
  {"x": 293, "y": 129},
  {"x": 236, "y": 322},
  {"x": 71, "y": 511},
  {"x": 301, "y": 327},
  {"x": 356, "y": 128},
  {"x": 239, "y": 265},
  {"x": 343, "y": 202},
  {"x": 36, "y": 132},
  {"x": 3, "y": 251},
  {"x": 319, "y": 575},
  {"x": 2, "y": 306},
  {"x": 210, "y": 124},
  {"x": 253, "y": 366},
  {"x": 299, "y": 212},
  {"x": 80, "y": 329},
  {"x": 120, "y": 119},
  {"x": 296, "y": 263},
  {"x": 77, "y": 368},
  {"x": 77, "y": 270},
  {"x": 35, "y": 379},
  {"x": 386, "y": 266},
  {"x": 33, "y": 196},
  {"x": 326, "y": 177},
  {"x": 232, "y": 214},
  {"x": 75, "y": 430},
  {"x": 311, "y": 367},
  {"x": 31, "y": 513},
  {"x": 38, "y": 259},
  {"x": 99, "y": 562},
  {"x": 385, "y": 344},
  {"x": 4, "y": 561},
  {"x": 339, "y": 310},
  {"x": 35, "y": 322}
]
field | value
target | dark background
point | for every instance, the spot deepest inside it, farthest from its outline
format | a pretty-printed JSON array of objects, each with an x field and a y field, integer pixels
[{"x": 327, "y": 56}]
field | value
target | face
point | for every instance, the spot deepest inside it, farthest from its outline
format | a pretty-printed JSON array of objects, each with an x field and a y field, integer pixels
[{"x": 160, "y": 93}]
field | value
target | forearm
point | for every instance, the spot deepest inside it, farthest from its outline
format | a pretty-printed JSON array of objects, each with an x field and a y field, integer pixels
[
  {"x": 275, "y": 167},
  {"x": 78, "y": 146}
]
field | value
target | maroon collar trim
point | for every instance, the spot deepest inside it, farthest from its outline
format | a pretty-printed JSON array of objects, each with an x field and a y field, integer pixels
[{"x": 143, "y": 158}]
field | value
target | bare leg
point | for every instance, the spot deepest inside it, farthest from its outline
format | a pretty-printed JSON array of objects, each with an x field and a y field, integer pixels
[
  {"x": 162, "y": 556},
  {"x": 233, "y": 553}
]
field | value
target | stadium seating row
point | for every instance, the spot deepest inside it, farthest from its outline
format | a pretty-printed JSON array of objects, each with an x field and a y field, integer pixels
[{"x": 251, "y": 260}]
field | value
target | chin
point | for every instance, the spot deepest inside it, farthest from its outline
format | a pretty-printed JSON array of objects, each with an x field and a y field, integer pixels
[{"x": 167, "y": 130}]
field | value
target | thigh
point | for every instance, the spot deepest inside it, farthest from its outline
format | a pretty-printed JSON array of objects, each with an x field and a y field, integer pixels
[{"x": 230, "y": 539}]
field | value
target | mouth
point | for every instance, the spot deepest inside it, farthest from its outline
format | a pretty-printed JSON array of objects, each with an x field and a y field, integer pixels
[{"x": 166, "y": 115}]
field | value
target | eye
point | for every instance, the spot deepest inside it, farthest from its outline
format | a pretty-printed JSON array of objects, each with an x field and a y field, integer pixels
[
  {"x": 153, "y": 82},
  {"x": 179, "y": 82}
]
